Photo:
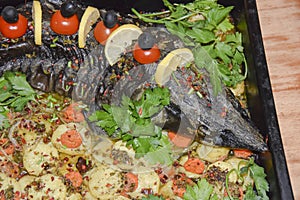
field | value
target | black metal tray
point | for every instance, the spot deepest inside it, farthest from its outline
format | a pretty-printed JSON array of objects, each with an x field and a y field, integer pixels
[{"x": 259, "y": 91}]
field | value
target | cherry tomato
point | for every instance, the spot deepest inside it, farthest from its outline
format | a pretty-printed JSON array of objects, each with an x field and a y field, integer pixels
[
  {"x": 63, "y": 25},
  {"x": 14, "y": 30},
  {"x": 101, "y": 32},
  {"x": 146, "y": 56}
]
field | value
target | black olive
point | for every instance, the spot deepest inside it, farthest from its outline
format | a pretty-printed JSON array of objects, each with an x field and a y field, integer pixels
[
  {"x": 146, "y": 41},
  {"x": 10, "y": 14},
  {"x": 110, "y": 19},
  {"x": 68, "y": 9}
]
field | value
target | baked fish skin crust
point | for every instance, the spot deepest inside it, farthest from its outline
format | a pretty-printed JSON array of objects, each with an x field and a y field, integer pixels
[{"x": 217, "y": 120}]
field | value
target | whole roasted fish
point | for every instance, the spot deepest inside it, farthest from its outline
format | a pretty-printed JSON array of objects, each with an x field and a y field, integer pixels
[{"x": 84, "y": 74}]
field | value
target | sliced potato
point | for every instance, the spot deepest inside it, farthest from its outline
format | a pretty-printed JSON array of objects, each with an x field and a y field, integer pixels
[
  {"x": 47, "y": 186},
  {"x": 74, "y": 196},
  {"x": 30, "y": 136},
  {"x": 40, "y": 158},
  {"x": 211, "y": 153},
  {"x": 146, "y": 180},
  {"x": 85, "y": 136},
  {"x": 26, "y": 181},
  {"x": 166, "y": 190},
  {"x": 7, "y": 183},
  {"x": 182, "y": 160},
  {"x": 224, "y": 166},
  {"x": 104, "y": 182}
]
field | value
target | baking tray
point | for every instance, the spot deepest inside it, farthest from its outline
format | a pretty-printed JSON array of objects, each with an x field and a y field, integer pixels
[{"x": 258, "y": 87}]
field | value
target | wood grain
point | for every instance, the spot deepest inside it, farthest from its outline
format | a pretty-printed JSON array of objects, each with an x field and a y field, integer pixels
[{"x": 280, "y": 25}]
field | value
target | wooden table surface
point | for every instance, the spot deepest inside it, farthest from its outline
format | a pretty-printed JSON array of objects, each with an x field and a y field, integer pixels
[{"x": 280, "y": 26}]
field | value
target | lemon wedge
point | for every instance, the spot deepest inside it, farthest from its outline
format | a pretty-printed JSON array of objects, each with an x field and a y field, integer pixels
[
  {"x": 37, "y": 20},
  {"x": 119, "y": 40},
  {"x": 177, "y": 57},
  {"x": 90, "y": 16}
]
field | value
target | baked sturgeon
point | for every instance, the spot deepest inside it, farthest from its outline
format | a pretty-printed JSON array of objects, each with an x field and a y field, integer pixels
[{"x": 85, "y": 75}]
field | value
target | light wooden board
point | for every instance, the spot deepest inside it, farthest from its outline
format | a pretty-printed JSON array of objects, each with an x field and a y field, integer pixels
[{"x": 280, "y": 25}]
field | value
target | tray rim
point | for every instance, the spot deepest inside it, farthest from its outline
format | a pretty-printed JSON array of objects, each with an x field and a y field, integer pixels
[
  {"x": 264, "y": 88},
  {"x": 270, "y": 115}
]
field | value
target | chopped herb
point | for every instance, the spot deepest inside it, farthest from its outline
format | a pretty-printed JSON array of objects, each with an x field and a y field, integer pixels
[
  {"x": 131, "y": 121},
  {"x": 153, "y": 197},
  {"x": 206, "y": 26},
  {"x": 201, "y": 191},
  {"x": 15, "y": 93}
]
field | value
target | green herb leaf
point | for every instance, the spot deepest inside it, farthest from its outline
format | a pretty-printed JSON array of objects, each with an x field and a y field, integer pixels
[
  {"x": 203, "y": 59},
  {"x": 160, "y": 151},
  {"x": 4, "y": 122},
  {"x": 20, "y": 84},
  {"x": 225, "y": 25},
  {"x": 250, "y": 194},
  {"x": 202, "y": 191},
  {"x": 153, "y": 197},
  {"x": 131, "y": 122},
  {"x": 15, "y": 91},
  {"x": 206, "y": 23},
  {"x": 201, "y": 35},
  {"x": 218, "y": 14},
  {"x": 259, "y": 177}
]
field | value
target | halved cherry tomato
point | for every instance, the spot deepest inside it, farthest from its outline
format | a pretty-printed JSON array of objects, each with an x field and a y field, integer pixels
[
  {"x": 146, "y": 56},
  {"x": 75, "y": 178},
  {"x": 242, "y": 153},
  {"x": 194, "y": 165},
  {"x": 179, "y": 140},
  {"x": 104, "y": 28},
  {"x": 73, "y": 113},
  {"x": 131, "y": 182},
  {"x": 7, "y": 148},
  {"x": 63, "y": 25},
  {"x": 10, "y": 169},
  {"x": 14, "y": 30},
  {"x": 101, "y": 32},
  {"x": 71, "y": 139}
]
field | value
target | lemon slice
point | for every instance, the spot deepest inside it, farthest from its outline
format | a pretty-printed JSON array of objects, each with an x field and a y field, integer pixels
[
  {"x": 37, "y": 19},
  {"x": 119, "y": 40},
  {"x": 90, "y": 16},
  {"x": 169, "y": 64}
]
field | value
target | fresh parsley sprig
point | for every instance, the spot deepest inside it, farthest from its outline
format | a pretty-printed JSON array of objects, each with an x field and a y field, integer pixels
[
  {"x": 201, "y": 191},
  {"x": 257, "y": 174},
  {"x": 206, "y": 24},
  {"x": 15, "y": 93},
  {"x": 131, "y": 122},
  {"x": 259, "y": 177}
]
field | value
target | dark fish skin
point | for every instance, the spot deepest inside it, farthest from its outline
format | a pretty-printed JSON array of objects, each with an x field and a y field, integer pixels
[
  {"x": 217, "y": 120},
  {"x": 58, "y": 63}
]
